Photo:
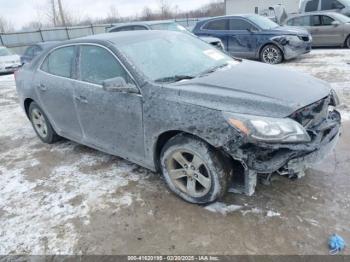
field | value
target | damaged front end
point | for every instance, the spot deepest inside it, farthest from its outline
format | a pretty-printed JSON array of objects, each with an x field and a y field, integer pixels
[
  {"x": 293, "y": 45},
  {"x": 290, "y": 157}
]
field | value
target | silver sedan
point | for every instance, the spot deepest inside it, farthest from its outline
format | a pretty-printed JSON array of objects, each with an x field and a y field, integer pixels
[{"x": 326, "y": 28}]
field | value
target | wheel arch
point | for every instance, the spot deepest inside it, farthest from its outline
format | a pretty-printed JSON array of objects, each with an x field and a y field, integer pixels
[
  {"x": 26, "y": 105},
  {"x": 164, "y": 137},
  {"x": 346, "y": 41}
]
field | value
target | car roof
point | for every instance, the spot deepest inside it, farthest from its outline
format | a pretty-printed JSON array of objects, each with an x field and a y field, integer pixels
[
  {"x": 313, "y": 13},
  {"x": 147, "y": 23},
  {"x": 122, "y": 37},
  {"x": 47, "y": 43}
]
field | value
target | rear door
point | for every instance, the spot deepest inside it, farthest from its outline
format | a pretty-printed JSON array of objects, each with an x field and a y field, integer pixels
[
  {"x": 54, "y": 83},
  {"x": 111, "y": 121},
  {"x": 217, "y": 28},
  {"x": 242, "y": 40}
]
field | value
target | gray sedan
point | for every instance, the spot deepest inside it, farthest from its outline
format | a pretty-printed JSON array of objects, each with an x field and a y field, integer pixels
[
  {"x": 170, "y": 102},
  {"x": 326, "y": 28}
]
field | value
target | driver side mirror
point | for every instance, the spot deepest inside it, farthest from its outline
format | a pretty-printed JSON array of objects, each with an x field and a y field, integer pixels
[
  {"x": 118, "y": 84},
  {"x": 335, "y": 23}
]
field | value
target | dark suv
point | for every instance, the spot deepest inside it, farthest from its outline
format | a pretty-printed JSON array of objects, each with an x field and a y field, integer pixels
[{"x": 256, "y": 37}]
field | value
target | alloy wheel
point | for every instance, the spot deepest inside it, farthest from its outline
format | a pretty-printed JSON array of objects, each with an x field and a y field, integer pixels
[
  {"x": 189, "y": 173},
  {"x": 271, "y": 55},
  {"x": 39, "y": 123}
]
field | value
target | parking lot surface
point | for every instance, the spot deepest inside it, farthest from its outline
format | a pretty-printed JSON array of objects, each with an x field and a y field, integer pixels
[{"x": 69, "y": 199}]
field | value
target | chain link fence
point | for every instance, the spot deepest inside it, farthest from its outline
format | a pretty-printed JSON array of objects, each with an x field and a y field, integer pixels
[{"x": 19, "y": 41}]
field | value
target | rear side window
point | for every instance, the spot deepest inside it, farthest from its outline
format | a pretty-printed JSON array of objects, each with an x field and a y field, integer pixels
[
  {"x": 125, "y": 28},
  {"x": 312, "y": 6},
  {"x": 60, "y": 62},
  {"x": 221, "y": 24},
  {"x": 331, "y": 4},
  {"x": 97, "y": 64},
  {"x": 316, "y": 20},
  {"x": 239, "y": 24},
  {"x": 300, "y": 21}
]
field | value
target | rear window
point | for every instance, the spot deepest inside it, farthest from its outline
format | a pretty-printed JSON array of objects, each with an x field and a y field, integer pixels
[
  {"x": 221, "y": 24},
  {"x": 60, "y": 62},
  {"x": 312, "y": 6}
]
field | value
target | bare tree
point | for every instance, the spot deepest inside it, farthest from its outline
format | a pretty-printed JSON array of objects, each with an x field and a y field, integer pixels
[
  {"x": 147, "y": 14},
  {"x": 165, "y": 9},
  {"x": 62, "y": 15},
  {"x": 5, "y": 25}
]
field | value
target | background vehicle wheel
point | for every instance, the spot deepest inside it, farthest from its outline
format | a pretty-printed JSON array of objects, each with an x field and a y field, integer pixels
[
  {"x": 347, "y": 42},
  {"x": 271, "y": 54},
  {"x": 42, "y": 125},
  {"x": 193, "y": 170}
]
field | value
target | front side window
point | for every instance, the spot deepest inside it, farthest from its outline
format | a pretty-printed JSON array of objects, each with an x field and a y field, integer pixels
[
  {"x": 60, "y": 62},
  {"x": 97, "y": 64},
  {"x": 220, "y": 24},
  {"x": 240, "y": 24},
  {"x": 326, "y": 20},
  {"x": 312, "y": 6},
  {"x": 124, "y": 28}
]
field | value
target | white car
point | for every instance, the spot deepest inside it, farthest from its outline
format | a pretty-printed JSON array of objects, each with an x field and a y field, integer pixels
[{"x": 9, "y": 62}]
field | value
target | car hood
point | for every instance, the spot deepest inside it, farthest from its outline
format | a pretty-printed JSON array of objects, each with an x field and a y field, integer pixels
[
  {"x": 210, "y": 39},
  {"x": 9, "y": 59},
  {"x": 252, "y": 88},
  {"x": 289, "y": 30}
]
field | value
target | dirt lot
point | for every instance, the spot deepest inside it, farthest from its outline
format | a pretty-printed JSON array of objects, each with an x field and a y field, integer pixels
[{"x": 69, "y": 199}]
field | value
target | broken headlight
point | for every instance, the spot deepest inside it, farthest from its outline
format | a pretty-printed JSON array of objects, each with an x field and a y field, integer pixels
[{"x": 267, "y": 129}]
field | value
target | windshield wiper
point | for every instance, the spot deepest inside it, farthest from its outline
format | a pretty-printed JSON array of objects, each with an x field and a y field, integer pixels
[
  {"x": 171, "y": 79},
  {"x": 213, "y": 69}
]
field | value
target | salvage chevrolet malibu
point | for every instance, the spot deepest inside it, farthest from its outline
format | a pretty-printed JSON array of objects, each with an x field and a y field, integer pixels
[{"x": 170, "y": 102}]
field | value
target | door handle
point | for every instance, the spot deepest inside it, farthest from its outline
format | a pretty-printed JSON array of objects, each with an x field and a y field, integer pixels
[
  {"x": 42, "y": 87},
  {"x": 81, "y": 99}
]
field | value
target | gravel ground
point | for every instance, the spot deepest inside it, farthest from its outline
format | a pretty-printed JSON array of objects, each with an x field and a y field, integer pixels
[{"x": 70, "y": 199}]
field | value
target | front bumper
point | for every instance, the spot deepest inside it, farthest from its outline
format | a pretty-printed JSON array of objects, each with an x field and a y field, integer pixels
[
  {"x": 266, "y": 158},
  {"x": 293, "y": 51}
]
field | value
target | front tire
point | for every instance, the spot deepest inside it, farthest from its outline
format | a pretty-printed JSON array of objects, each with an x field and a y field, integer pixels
[
  {"x": 271, "y": 54},
  {"x": 42, "y": 125},
  {"x": 193, "y": 170},
  {"x": 347, "y": 42}
]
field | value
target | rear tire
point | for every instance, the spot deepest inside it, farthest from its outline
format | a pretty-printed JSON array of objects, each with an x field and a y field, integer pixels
[
  {"x": 42, "y": 125},
  {"x": 271, "y": 54},
  {"x": 193, "y": 170}
]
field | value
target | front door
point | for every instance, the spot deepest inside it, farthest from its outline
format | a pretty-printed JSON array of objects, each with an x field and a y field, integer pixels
[
  {"x": 242, "y": 40},
  {"x": 111, "y": 121},
  {"x": 54, "y": 83}
]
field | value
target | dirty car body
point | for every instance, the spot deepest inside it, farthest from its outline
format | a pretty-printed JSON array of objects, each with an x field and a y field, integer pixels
[
  {"x": 246, "y": 35},
  {"x": 263, "y": 118}
]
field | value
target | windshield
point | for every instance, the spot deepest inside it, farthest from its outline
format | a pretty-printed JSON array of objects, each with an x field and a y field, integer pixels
[
  {"x": 5, "y": 52},
  {"x": 341, "y": 18},
  {"x": 263, "y": 22},
  {"x": 174, "y": 57}
]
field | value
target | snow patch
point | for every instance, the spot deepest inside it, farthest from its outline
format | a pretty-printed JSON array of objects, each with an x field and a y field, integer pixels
[{"x": 222, "y": 208}]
